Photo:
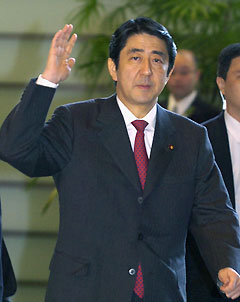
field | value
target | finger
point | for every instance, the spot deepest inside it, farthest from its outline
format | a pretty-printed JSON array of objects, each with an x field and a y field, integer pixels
[
  {"x": 61, "y": 37},
  {"x": 56, "y": 39},
  {"x": 235, "y": 296},
  {"x": 231, "y": 288},
  {"x": 66, "y": 45},
  {"x": 235, "y": 292},
  {"x": 71, "y": 44},
  {"x": 67, "y": 30},
  {"x": 227, "y": 287}
]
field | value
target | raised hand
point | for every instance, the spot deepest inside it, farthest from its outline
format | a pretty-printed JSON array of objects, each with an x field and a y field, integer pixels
[{"x": 59, "y": 63}]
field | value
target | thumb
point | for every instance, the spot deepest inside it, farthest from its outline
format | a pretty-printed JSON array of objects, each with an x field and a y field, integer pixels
[{"x": 71, "y": 62}]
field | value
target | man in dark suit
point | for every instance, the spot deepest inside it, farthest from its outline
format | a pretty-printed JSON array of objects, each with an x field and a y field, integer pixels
[
  {"x": 132, "y": 177},
  {"x": 224, "y": 134},
  {"x": 182, "y": 85}
]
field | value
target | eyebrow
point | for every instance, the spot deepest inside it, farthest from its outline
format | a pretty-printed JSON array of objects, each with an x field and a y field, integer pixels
[{"x": 156, "y": 52}]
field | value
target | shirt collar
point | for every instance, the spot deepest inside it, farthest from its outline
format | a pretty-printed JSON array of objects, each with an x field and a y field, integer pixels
[
  {"x": 183, "y": 104},
  {"x": 129, "y": 117},
  {"x": 233, "y": 126}
]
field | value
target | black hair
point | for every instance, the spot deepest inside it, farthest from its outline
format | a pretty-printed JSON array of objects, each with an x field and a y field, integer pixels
[
  {"x": 138, "y": 26},
  {"x": 225, "y": 58}
]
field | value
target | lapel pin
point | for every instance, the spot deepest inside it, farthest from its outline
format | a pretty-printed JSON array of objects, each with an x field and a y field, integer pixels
[{"x": 170, "y": 147}]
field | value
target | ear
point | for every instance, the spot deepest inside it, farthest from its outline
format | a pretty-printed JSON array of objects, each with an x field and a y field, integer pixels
[
  {"x": 167, "y": 78},
  {"x": 221, "y": 84},
  {"x": 198, "y": 74},
  {"x": 112, "y": 69}
]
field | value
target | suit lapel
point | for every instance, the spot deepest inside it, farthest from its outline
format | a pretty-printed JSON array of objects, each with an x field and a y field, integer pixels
[
  {"x": 113, "y": 135},
  {"x": 163, "y": 148}
]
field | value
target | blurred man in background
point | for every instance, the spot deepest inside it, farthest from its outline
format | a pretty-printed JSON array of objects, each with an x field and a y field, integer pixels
[
  {"x": 224, "y": 134},
  {"x": 182, "y": 85}
]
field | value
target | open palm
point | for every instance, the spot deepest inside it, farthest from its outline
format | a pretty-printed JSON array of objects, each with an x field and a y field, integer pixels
[{"x": 59, "y": 63}]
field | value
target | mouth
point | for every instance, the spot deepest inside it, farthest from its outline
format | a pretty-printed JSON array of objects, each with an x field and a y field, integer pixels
[
  {"x": 144, "y": 86},
  {"x": 177, "y": 87}
]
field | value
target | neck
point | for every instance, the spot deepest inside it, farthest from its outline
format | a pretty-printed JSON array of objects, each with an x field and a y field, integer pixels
[
  {"x": 178, "y": 98},
  {"x": 234, "y": 112},
  {"x": 140, "y": 111}
]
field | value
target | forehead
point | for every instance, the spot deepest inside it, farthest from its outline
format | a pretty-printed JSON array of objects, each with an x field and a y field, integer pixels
[
  {"x": 235, "y": 65},
  {"x": 146, "y": 43},
  {"x": 184, "y": 60}
]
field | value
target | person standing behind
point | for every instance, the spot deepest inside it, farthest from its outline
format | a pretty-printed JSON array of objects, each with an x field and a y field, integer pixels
[
  {"x": 224, "y": 134},
  {"x": 184, "y": 98}
]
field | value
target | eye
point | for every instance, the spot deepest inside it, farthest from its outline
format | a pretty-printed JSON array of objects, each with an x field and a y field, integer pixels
[
  {"x": 135, "y": 58},
  {"x": 157, "y": 60}
]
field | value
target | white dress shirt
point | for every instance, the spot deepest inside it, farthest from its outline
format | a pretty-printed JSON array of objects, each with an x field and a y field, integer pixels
[
  {"x": 150, "y": 118},
  {"x": 182, "y": 105},
  {"x": 233, "y": 130},
  {"x": 44, "y": 82}
]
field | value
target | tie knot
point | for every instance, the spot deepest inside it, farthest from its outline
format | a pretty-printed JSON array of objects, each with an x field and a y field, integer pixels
[{"x": 140, "y": 125}]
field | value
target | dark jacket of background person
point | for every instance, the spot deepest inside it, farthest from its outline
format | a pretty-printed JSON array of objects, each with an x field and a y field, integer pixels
[
  {"x": 8, "y": 284},
  {"x": 199, "y": 111},
  {"x": 9, "y": 280},
  {"x": 200, "y": 286}
]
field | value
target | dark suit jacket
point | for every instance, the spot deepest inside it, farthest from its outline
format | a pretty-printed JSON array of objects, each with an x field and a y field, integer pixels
[
  {"x": 9, "y": 281},
  {"x": 107, "y": 224},
  {"x": 200, "y": 285},
  {"x": 218, "y": 136},
  {"x": 7, "y": 278},
  {"x": 199, "y": 111}
]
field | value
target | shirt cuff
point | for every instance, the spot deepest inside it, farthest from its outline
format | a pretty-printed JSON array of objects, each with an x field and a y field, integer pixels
[{"x": 43, "y": 82}]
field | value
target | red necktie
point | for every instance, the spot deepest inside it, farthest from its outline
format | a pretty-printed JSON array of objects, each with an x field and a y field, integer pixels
[{"x": 141, "y": 159}]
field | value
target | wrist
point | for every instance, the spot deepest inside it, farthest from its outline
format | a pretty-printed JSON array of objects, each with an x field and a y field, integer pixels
[
  {"x": 50, "y": 77},
  {"x": 44, "y": 82}
]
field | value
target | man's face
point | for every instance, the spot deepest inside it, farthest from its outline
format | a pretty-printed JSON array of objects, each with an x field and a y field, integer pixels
[
  {"x": 184, "y": 77},
  {"x": 142, "y": 70},
  {"x": 230, "y": 88}
]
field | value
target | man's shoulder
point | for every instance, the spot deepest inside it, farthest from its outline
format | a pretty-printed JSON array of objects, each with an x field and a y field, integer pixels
[
  {"x": 202, "y": 103},
  {"x": 202, "y": 110},
  {"x": 91, "y": 102},
  {"x": 87, "y": 111},
  {"x": 216, "y": 128},
  {"x": 181, "y": 123},
  {"x": 213, "y": 122}
]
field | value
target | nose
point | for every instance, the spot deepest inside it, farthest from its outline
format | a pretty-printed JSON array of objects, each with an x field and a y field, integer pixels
[
  {"x": 146, "y": 67},
  {"x": 175, "y": 78},
  {"x": 176, "y": 75}
]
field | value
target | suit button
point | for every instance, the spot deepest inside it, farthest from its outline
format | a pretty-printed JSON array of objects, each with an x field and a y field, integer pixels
[
  {"x": 140, "y": 200},
  {"x": 132, "y": 271},
  {"x": 140, "y": 236}
]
